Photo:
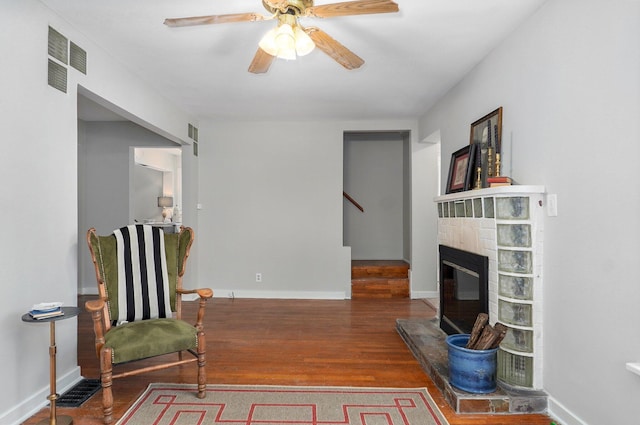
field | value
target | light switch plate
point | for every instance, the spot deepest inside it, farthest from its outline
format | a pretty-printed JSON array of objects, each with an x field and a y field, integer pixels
[{"x": 552, "y": 205}]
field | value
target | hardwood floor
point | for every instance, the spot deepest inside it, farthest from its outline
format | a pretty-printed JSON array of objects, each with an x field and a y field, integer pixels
[{"x": 288, "y": 342}]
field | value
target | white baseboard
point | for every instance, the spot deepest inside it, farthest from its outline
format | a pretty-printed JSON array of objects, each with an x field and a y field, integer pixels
[
  {"x": 424, "y": 294},
  {"x": 295, "y": 295},
  {"x": 93, "y": 290},
  {"x": 37, "y": 401},
  {"x": 562, "y": 415},
  {"x": 415, "y": 295}
]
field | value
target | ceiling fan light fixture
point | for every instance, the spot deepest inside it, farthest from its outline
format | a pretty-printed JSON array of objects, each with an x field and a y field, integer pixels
[
  {"x": 280, "y": 42},
  {"x": 268, "y": 42},
  {"x": 287, "y": 42},
  {"x": 304, "y": 44}
]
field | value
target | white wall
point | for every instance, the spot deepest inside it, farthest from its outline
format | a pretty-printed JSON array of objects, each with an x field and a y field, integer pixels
[
  {"x": 406, "y": 196},
  {"x": 374, "y": 177},
  {"x": 425, "y": 166},
  {"x": 190, "y": 190},
  {"x": 568, "y": 80},
  {"x": 38, "y": 261}
]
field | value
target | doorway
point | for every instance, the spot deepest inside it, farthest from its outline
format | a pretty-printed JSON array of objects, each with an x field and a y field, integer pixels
[
  {"x": 106, "y": 166},
  {"x": 377, "y": 175},
  {"x": 157, "y": 173}
]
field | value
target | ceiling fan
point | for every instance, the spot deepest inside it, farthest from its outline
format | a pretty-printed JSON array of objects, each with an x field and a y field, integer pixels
[{"x": 290, "y": 39}]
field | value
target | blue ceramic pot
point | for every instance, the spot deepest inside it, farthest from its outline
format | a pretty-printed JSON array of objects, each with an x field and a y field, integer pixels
[{"x": 473, "y": 371}]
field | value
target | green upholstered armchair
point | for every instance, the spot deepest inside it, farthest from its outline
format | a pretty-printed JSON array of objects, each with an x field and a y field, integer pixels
[{"x": 139, "y": 270}]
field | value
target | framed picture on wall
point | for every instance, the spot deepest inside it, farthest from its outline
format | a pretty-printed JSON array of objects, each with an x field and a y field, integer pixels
[
  {"x": 486, "y": 135},
  {"x": 461, "y": 169}
]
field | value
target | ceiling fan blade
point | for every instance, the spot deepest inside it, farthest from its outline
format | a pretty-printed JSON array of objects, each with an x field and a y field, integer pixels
[
  {"x": 331, "y": 47},
  {"x": 261, "y": 62},
  {"x": 359, "y": 7},
  {"x": 215, "y": 19}
]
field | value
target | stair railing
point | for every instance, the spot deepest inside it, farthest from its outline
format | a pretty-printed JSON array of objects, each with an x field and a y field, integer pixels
[{"x": 353, "y": 201}]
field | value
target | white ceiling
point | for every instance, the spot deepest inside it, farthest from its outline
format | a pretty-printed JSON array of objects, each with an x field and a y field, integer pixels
[{"x": 411, "y": 58}]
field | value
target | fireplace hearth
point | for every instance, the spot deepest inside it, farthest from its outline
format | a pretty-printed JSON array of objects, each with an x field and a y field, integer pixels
[{"x": 427, "y": 343}]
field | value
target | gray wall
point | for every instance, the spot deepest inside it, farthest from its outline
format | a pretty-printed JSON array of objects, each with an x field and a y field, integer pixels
[
  {"x": 272, "y": 204},
  {"x": 104, "y": 163},
  {"x": 147, "y": 187},
  {"x": 568, "y": 80},
  {"x": 374, "y": 175}
]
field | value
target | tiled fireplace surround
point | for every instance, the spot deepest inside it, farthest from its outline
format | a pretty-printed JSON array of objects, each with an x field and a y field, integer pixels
[{"x": 504, "y": 224}]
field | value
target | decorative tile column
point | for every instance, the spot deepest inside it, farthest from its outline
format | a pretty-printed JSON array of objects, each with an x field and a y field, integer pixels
[{"x": 505, "y": 224}]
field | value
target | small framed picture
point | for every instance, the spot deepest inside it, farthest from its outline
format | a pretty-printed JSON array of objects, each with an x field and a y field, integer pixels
[{"x": 461, "y": 169}]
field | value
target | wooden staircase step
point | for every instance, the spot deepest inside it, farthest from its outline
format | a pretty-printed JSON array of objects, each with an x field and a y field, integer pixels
[
  {"x": 379, "y": 279},
  {"x": 379, "y": 288},
  {"x": 379, "y": 268}
]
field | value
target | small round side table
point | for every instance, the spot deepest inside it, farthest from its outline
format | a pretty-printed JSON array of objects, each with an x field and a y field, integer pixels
[{"x": 69, "y": 312}]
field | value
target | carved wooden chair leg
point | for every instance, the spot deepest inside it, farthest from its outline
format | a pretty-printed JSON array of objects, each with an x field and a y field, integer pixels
[
  {"x": 107, "y": 381},
  {"x": 202, "y": 373}
]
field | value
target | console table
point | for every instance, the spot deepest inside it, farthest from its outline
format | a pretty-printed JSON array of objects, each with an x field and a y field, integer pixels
[{"x": 69, "y": 312}]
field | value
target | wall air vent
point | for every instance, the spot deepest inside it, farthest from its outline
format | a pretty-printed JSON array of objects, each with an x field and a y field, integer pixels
[
  {"x": 58, "y": 46},
  {"x": 78, "y": 58},
  {"x": 193, "y": 134},
  {"x": 57, "y": 76}
]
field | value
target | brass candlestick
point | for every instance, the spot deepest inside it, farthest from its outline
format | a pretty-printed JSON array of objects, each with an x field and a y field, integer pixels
[
  {"x": 479, "y": 178},
  {"x": 490, "y": 161},
  {"x": 498, "y": 163}
]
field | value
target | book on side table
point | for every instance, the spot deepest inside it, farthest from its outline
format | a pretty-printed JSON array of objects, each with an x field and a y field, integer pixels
[{"x": 46, "y": 310}]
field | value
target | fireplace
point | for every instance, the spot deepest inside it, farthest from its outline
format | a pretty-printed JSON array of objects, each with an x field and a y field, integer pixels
[
  {"x": 506, "y": 225},
  {"x": 464, "y": 279}
]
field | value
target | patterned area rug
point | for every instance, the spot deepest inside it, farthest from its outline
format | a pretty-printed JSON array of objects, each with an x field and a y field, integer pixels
[{"x": 177, "y": 404}]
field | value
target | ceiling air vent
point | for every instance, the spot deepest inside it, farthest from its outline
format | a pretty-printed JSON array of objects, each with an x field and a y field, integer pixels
[
  {"x": 58, "y": 46},
  {"x": 78, "y": 58},
  {"x": 57, "y": 76}
]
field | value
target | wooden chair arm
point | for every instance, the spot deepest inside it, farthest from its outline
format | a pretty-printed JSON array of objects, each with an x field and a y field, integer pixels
[
  {"x": 202, "y": 292},
  {"x": 94, "y": 305},
  {"x": 96, "y": 308}
]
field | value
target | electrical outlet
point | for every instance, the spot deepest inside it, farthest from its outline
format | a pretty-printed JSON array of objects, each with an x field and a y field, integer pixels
[{"x": 258, "y": 277}]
